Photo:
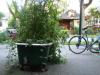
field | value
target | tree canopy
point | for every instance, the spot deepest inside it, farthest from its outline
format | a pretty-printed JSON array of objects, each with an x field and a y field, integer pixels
[{"x": 94, "y": 12}]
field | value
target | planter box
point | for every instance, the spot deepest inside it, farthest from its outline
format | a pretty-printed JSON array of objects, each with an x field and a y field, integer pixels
[{"x": 33, "y": 55}]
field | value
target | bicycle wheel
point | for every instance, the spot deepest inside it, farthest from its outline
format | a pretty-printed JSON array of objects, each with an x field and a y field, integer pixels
[
  {"x": 75, "y": 46},
  {"x": 94, "y": 47}
]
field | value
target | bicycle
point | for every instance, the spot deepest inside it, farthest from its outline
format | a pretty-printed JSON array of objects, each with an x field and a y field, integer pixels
[{"x": 79, "y": 43}]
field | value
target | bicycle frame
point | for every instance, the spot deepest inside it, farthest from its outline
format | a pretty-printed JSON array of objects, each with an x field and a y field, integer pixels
[
  {"x": 79, "y": 39},
  {"x": 89, "y": 44}
]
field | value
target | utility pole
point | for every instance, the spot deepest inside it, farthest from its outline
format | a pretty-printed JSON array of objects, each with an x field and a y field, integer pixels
[
  {"x": 81, "y": 17},
  {"x": 82, "y": 9}
]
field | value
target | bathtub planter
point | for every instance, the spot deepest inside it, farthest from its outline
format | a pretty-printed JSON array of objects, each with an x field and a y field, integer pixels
[{"x": 34, "y": 55}]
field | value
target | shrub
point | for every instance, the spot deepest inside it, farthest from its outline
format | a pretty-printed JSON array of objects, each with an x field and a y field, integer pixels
[{"x": 3, "y": 37}]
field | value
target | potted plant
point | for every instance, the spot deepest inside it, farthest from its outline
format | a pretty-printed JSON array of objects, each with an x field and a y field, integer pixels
[{"x": 38, "y": 32}]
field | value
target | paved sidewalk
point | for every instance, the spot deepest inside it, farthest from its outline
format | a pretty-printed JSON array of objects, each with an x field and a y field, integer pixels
[{"x": 77, "y": 64}]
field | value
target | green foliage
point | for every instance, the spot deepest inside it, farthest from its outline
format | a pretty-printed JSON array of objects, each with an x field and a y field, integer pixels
[
  {"x": 1, "y": 15},
  {"x": 76, "y": 30},
  {"x": 90, "y": 31},
  {"x": 12, "y": 23},
  {"x": 94, "y": 12},
  {"x": 64, "y": 35},
  {"x": 3, "y": 37},
  {"x": 12, "y": 61},
  {"x": 37, "y": 22}
]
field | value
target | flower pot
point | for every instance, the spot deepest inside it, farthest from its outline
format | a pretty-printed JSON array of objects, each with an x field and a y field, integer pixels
[{"x": 34, "y": 55}]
